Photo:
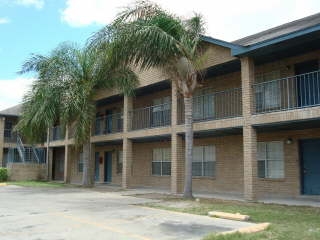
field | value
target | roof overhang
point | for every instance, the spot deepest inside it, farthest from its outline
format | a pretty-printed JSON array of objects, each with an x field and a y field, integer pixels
[
  {"x": 232, "y": 46},
  {"x": 246, "y": 50}
]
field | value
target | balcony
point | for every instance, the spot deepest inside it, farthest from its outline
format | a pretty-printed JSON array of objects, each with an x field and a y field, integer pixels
[
  {"x": 151, "y": 117},
  {"x": 57, "y": 133},
  {"x": 300, "y": 91},
  {"x": 214, "y": 105},
  {"x": 10, "y": 136},
  {"x": 112, "y": 123}
]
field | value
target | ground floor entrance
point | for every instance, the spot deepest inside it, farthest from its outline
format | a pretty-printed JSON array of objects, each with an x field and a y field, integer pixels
[
  {"x": 108, "y": 167},
  {"x": 310, "y": 166},
  {"x": 58, "y": 164}
]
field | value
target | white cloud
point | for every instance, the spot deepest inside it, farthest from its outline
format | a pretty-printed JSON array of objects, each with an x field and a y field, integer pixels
[
  {"x": 36, "y": 3},
  {"x": 226, "y": 19},
  {"x": 4, "y": 20},
  {"x": 12, "y": 91}
]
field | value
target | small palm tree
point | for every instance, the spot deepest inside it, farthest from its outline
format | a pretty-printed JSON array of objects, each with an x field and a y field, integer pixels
[
  {"x": 67, "y": 80},
  {"x": 146, "y": 36}
]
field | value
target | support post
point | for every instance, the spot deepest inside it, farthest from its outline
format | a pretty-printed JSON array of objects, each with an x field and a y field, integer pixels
[
  {"x": 249, "y": 132},
  {"x": 67, "y": 163},
  {"x": 127, "y": 143},
  {"x": 177, "y": 161},
  {"x": 2, "y": 125}
]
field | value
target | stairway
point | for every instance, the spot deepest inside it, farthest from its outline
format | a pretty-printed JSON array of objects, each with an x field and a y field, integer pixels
[{"x": 26, "y": 154}]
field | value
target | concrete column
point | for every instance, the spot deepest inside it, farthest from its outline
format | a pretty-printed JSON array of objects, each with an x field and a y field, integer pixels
[
  {"x": 127, "y": 162},
  {"x": 2, "y": 124},
  {"x": 50, "y": 163},
  {"x": 177, "y": 164},
  {"x": 48, "y": 153},
  {"x": 127, "y": 107},
  {"x": 174, "y": 105},
  {"x": 127, "y": 143},
  {"x": 92, "y": 161},
  {"x": 177, "y": 161},
  {"x": 67, "y": 164},
  {"x": 249, "y": 133}
]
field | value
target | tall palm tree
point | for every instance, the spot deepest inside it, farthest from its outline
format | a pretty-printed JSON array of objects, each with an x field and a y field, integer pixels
[
  {"x": 145, "y": 36},
  {"x": 67, "y": 80}
]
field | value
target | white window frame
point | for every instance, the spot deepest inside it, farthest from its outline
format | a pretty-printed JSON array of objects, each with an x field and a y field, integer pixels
[
  {"x": 161, "y": 161},
  {"x": 203, "y": 105},
  {"x": 264, "y": 155},
  {"x": 269, "y": 92},
  {"x": 203, "y": 150}
]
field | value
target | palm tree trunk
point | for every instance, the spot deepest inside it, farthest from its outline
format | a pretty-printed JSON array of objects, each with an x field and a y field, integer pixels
[
  {"x": 87, "y": 178},
  {"x": 189, "y": 145}
]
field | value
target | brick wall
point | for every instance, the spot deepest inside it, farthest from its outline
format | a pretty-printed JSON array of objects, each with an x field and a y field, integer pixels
[
  {"x": 142, "y": 166},
  {"x": 26, "y": 171},
  {"x": 290, "y": 184}
]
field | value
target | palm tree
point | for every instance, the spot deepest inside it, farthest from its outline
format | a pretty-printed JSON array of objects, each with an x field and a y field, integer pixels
[
  {"x": 67, "y": 80},
  {"x": 145, "y": 36}
]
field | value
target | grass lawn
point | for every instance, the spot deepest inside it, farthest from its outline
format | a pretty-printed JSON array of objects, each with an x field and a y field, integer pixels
[
  {"x": 287, "y": 223},
  {"x": 37, "y": 184}
]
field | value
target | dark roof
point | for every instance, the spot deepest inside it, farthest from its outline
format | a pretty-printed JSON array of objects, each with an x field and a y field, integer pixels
[
  {"x": 13, "y": 111},
  {"x": 281, "y": 30}
]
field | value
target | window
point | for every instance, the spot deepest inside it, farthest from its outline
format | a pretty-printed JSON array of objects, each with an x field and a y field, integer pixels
[
  {"x": 203, "y": 105},
  {"x": 270, "y": 160},
  {"x": 161, "y": 111},
  {"x": 204, "y": 161},
  {"x": 80, "y": 162},
  {"x": 161, "y": 162},
  {"x": 119, "y": 161},
  {"x": 268, "y": 93}
]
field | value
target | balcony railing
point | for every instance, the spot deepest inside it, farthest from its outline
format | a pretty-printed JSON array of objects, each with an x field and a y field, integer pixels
[
  {"x": 151, "y": 117},
  {"x": 10, "y": 136},
  {"x": 293, "y": 92},
  {"x": 111, "y": 123},
  {"x": 57, "y": 133},
  {"x": 213, "y": 106}
]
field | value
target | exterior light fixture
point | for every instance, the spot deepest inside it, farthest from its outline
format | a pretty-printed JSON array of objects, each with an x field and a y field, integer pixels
[{"x": 289, "y": 141}]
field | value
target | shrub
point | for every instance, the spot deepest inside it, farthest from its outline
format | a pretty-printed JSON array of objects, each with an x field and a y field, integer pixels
[{"x": 3, "y": 174}]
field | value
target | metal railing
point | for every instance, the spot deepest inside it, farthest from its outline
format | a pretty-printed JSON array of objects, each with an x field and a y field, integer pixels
[
  {"x": 21, "y": 149},
  {"x": 10, "y": 136},
  {"x": 292, "y": 92},
  {"x": 57, "y": 133},
  {"x": 30, "y": 155},
  {"x": 213, "y": 106},
  {"x": 111, "y": 123},
  {"x": 150, "y": 117}
]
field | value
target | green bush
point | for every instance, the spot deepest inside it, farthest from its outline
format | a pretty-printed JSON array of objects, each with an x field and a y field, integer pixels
[{"x": 3, "y": 174}]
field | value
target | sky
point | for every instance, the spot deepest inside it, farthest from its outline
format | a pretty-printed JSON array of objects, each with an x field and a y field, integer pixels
[{"x": 38, "y": 26}]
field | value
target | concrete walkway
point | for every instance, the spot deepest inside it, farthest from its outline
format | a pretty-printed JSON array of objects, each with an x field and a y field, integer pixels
[
  {"x": 311, "y": 201},
  {"x": 76, "y": 213}
]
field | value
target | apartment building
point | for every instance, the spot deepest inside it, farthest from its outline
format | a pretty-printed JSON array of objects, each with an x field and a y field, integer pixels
[
  {"x": 24, "y": 161},
  {"x": 256, "y": 123}
]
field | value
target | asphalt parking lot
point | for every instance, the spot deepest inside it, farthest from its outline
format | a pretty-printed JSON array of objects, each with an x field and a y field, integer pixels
[{"x": 77, "y": 213}]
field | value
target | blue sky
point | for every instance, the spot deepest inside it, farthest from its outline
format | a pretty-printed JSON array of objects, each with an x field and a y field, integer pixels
[
  {"x": 37, "y": 26},
  {"x": 34, "y": 30}
]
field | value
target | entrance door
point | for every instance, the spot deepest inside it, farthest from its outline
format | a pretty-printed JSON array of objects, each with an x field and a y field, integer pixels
[
  {"x": 108, "y": 166},
  {"x": 58, "y": 164},
  {"x": 310, "y": 154},
  {"x": 97, "y": 169},
  {"x": 308, "y": 83}
]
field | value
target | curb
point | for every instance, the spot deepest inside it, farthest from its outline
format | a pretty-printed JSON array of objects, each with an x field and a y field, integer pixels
[{"x": 252, "y": 229}]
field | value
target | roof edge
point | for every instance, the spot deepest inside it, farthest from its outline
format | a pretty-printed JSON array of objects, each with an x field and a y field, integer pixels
[
  {"x": 221, "y": 42},
  {"x": 243, "y": 50}
]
